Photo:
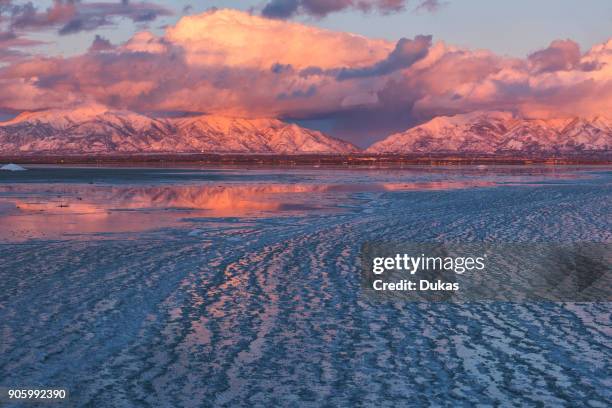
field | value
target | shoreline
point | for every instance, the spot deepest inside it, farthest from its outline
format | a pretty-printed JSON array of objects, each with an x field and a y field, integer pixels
[{"x": 327, "y": 160}]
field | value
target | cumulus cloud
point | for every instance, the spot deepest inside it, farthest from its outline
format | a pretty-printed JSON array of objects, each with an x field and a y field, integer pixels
[
  {"x": 220, "y": 61},
  {"x": 236, "y": 39},
  {"x": 235, "y": 63},
  {"x": 462, "y": 81}
]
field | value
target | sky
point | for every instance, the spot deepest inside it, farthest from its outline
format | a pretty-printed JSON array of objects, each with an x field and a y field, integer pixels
[{"x": 357, "y": 69}]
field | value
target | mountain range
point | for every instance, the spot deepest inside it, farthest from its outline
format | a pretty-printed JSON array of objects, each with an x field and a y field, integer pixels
[
  {"x": 101, "y": 131},
  {"x": 98, "y": 130},
  {"x": 501, "y": 133}
]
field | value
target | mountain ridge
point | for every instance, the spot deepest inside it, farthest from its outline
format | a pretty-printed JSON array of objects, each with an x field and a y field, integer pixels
[
  {"x": 500, "y": 132},
  {"x": 97, "y": 130}
]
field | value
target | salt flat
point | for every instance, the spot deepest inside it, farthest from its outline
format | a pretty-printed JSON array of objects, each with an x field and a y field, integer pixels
[{"x": 205, "y": 287}]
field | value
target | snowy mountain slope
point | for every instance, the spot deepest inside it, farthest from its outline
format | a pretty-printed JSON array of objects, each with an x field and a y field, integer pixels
[
  {"x": 97, "y": 130},
  {"x": 500, "y": 132},
  {"x": 221, "y": 134}
]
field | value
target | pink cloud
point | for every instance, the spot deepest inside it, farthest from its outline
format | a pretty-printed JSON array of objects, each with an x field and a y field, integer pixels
[
  {"x": 552, "y": 83},
  {"x": 236, "y": 39}
]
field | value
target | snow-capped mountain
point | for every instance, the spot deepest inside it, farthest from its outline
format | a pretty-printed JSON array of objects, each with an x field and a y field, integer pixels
[
  {"x": 97, "y": 130},
  {"x": 500, "y": 132},
  {"x": 220, "y": 134}
]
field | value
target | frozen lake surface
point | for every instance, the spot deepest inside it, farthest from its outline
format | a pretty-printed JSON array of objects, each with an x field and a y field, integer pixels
[{"x": 241, "y": 287}]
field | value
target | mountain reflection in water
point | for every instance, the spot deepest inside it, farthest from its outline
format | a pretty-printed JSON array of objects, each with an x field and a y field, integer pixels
[{"x": 51, "y": 210}]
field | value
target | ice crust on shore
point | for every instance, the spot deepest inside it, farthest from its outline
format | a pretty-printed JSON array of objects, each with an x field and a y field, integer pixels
[{"x": 12, "y": 167}]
